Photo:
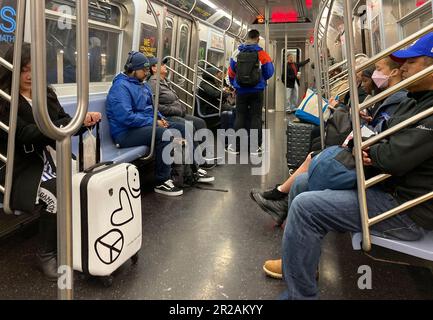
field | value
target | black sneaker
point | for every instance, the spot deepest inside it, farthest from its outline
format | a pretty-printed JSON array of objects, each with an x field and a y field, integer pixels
[
  {"x": 277, "y": 209},
  {"x": 204, "y": 177},
  {"x": 274, "y": 194},
  {"x": 168, "y": 189}
]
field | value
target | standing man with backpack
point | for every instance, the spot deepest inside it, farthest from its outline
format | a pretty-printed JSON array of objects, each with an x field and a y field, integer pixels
[{"x": 250, "y": 68}]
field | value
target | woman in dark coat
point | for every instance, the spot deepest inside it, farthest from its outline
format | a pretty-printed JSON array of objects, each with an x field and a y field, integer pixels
[{"x": 34, "y": 178}]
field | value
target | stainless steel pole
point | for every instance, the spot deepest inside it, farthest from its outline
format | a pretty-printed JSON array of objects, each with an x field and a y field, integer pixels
[{"x": 349, "y": 36}]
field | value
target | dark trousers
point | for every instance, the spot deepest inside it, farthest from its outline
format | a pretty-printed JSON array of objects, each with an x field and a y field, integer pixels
[
  {"x": 143, "y": 137},
  {"x": 249, "y": 106},
  {"x": 198, "y": 124}
]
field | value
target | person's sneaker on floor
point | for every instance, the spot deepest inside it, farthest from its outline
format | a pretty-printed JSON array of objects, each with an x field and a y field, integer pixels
[
  {"x": 277, "y": 209},
  {"x": 168, "y": 189},
  {"x": 232, "y": 149},
  {"x": 274, "y": 194},
  {"x": 204, "y": 177},
  {"x": 274, "y": 269}
]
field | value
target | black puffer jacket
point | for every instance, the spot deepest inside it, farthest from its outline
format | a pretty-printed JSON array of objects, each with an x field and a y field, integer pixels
[
  {"x": 209, "y": 93},
  {"x": 408, "y": 156},
  {"x": 30, "y": 142}
]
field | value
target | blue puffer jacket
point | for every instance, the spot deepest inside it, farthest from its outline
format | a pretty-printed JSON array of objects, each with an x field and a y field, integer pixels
[{"x": 129, "y": 105}]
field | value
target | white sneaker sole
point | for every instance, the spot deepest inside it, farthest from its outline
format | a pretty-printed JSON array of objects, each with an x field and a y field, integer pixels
[
  {"x": 206, "y": 180},
  {"x": 169, "y": 193}
]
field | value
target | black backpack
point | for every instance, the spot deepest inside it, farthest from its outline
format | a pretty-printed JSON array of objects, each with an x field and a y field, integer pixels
[{"x": 249, "y": 72}]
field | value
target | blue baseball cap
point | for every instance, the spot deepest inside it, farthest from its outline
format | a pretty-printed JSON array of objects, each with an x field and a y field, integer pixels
[
  {"x": 422, "y": 47},
  {"x": 136, "y": 61}
]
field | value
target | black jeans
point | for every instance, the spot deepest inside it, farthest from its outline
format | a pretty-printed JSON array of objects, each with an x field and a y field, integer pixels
[{"x": 249, "y": 106}]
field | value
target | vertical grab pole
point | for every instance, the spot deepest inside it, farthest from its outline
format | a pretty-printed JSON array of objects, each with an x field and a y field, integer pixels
[
  {"x": 366, "y": 242},
  {"x": 15, "y": 93},
  {"x": 197, "y": 58},
  {"x": 285, "y": 72},
  {"x": 62, "y": 135},
  {"x": 267, "y": 17},
  {"x": 160, "y": 29},
  {"x": 319, "y": 72},
  {"x": 325, "y": 52}
]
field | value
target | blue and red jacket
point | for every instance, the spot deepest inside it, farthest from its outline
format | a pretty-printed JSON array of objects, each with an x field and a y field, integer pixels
[{"x": 266, "y": 64}]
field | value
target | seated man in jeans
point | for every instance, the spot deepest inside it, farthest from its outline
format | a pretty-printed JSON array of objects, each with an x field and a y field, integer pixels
[
  {"x": 407, "y": 155},
  {"x": 130, "y": 114}
]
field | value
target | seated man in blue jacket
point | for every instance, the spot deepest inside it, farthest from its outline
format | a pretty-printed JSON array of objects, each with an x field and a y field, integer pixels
[{"x": 130, "y": 113}]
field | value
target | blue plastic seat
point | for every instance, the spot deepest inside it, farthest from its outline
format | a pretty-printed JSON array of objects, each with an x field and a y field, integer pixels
[
  {"x": 109, "y": 150},
  {"x": 422, "y": 249}
]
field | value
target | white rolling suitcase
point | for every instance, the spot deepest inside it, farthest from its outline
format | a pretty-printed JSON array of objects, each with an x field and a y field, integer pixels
[
  {"x": 106, "y": 206},
  {"x": 107, "y": 229}
]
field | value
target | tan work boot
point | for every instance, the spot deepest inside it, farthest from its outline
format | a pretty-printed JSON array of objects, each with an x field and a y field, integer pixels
[{"x": 274, "y": 269}]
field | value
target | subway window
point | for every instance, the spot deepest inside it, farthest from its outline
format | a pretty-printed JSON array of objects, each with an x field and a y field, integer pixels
[
  {"x": 62, "y": 54},
  {"x": 61, "y": 41}
]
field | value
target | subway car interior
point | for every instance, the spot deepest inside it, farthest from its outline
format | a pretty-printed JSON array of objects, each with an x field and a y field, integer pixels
[{"x": 232, "y": 232}]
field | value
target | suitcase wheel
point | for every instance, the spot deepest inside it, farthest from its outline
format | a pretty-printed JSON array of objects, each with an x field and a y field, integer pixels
[
  {"x": 107, "y": 281},
  {"x": 134, "y": 259}
]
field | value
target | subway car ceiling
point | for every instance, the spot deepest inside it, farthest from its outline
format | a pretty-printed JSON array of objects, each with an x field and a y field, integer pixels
[{"x": 117, "y": 27}]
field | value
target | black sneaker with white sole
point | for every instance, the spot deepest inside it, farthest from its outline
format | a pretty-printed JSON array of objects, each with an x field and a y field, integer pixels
[
  {"x": 204, "y": 177},
  {"x": 168, "y": 189}
]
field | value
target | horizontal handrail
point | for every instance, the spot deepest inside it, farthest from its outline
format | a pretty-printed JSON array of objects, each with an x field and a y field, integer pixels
[
  {"x": 210, "y": 64},
  {"x": 179, "y": 87},
  {"x": 403, "y": 207},
  {"x": 377, "y": 179},
  {"x": 209, "y": 103},
  {"x": 5, "y": 96},
  {"x": 375, "y": 139},
  {"x": 179, "y": 62},
  {"x": 205, "y": 81},
  {"x": 207, "y": 72},
  {"x": 180, "y": 75},
  {"x": 4, "y": 127},
  {"x": 3, "y": 158},
  {"x": 6, "y": 64},
  {"x": 342, "y": 63}
]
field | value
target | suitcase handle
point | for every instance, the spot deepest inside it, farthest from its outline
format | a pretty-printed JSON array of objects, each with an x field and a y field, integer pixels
[{"x": 98, "y": 165}]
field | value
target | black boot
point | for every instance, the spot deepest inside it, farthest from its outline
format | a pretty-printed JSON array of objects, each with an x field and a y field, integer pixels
[{"x": 47, "y": 251}]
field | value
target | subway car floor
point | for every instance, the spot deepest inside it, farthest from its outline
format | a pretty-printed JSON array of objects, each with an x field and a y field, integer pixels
[{"x": 212, "y": 245}]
